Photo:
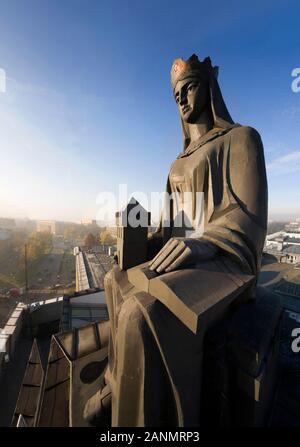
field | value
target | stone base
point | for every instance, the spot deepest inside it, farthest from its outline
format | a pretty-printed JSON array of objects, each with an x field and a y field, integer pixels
[{"x": 240, "y": 365}]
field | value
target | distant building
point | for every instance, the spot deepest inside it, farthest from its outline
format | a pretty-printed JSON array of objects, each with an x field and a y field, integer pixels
[
  {"x": 291, "y": 254},
  {"x": 7, "y": 224},
  {"x": 26, "y": 223},
  {"x": 91, "y": 222},
  {"x": 46, "y": 226},
  {"x": 293, "y": 227},
  {"x": 285, "y": 244},
  {"x": 50, "y": 226}
]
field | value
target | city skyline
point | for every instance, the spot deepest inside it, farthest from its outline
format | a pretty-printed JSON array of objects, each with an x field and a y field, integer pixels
[{"x": 75, "y": 124}]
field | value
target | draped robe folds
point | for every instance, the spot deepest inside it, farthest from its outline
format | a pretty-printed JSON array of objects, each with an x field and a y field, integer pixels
[
  {"x": 154, "y": 359},
  {"x": 228, "y": 166}
]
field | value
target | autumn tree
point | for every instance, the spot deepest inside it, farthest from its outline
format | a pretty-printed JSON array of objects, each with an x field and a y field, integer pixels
[
  {"x": 90, "y": 240},
  {"x": 39, "y": 243},
  {"x": 106, "y": 238},
  {"x": 74, "y": 232}
]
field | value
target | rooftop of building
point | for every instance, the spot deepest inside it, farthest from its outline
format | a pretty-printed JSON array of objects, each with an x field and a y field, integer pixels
[
  {"x": 79, "y": 317},
  {"x": 41, "y": 320},
  {"x": 291, "y": 249}
]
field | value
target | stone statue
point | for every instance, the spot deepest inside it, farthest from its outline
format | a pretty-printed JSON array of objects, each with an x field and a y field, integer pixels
[{"x": 155, "y": 359}]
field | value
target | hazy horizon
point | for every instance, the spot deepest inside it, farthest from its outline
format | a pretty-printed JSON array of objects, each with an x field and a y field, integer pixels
[{"x": 275, "y": 218}]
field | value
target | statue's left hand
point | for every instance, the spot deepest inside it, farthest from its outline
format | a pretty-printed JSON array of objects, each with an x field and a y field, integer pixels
[{"x": 178, "y": 252}]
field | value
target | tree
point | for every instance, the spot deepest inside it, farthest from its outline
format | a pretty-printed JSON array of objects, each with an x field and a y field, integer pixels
[
  {"x": 106, "y": 238},
  {"x": 39, "y": 243},
  {"x": 90, "y": 240},
  {"x": 74, "y": 232}
]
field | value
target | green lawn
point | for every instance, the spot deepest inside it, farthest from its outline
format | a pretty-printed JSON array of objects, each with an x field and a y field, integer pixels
[{"x": 67, "y": 268}]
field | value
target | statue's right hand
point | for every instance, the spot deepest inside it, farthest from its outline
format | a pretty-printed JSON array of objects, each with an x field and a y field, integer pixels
[{"x": 179, "y": 252}]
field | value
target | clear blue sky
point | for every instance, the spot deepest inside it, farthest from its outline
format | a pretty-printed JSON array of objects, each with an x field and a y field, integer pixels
[{"x": 88, "y": 103}]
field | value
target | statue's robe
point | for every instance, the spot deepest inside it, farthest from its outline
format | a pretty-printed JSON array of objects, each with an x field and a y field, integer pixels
[{"x": 154, "y": 359}]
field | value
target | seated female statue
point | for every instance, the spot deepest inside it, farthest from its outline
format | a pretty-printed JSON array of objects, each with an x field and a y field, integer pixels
[{"x": 154, "y": 366}]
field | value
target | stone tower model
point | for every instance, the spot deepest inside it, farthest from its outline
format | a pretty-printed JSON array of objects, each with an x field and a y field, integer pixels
[{"x": 132, "y": 232}]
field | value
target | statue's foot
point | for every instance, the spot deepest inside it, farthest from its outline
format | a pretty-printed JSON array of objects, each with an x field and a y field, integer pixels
[{"x": 97, "y": 410}]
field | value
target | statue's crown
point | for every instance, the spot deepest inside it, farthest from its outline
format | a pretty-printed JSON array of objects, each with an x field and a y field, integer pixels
[{"x": 192, "y": 67}]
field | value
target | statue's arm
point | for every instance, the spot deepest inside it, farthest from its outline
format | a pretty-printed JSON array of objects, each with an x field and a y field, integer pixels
[
  {"x": 248, "y": 180},
  {"x": 241, "y": 230}
]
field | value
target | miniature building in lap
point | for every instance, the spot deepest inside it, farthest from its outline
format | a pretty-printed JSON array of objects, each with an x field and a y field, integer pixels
[{"x": 132, "y": 229}]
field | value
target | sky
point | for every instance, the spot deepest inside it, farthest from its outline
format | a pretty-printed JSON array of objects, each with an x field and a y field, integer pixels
[{"x": 88, "y": 104}]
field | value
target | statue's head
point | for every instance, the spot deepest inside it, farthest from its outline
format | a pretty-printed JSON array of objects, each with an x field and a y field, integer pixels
[
  {"x": 195, "y": 88},
  {"x": 190, "y": 82}
]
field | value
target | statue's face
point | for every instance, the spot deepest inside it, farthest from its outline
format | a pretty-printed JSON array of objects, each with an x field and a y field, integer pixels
[{"x": 191, "y": 96}]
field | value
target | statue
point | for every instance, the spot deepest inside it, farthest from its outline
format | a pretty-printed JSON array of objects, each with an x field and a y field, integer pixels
[{"x": 155, "y": 361}]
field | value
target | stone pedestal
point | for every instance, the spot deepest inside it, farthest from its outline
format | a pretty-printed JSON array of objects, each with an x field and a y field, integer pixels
[{"x": 240, "y": 365}]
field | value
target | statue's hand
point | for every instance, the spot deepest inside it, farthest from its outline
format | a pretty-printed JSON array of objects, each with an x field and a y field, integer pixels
[{"x": 178, "y": 252}]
